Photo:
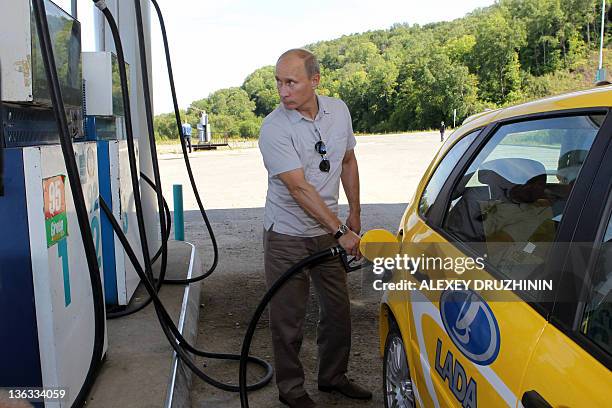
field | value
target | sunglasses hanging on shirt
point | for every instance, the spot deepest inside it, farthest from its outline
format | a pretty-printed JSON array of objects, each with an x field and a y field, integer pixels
[{"x": 320, "y": 148}]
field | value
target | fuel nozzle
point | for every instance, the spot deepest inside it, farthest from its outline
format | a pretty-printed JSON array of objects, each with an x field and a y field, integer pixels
[{"x": 351, "y": 264}]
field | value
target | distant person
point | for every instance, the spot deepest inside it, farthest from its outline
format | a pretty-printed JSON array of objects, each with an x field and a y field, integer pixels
[
  {"x": 442, "y": 129},
  {"x": 307, "y": 144},
  {"x": 187, "y": 134}
]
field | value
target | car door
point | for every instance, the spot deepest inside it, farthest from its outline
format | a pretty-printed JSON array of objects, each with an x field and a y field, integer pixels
[
  {"x": 571, "y": 364},
  {"x": 502, "y": 207}
]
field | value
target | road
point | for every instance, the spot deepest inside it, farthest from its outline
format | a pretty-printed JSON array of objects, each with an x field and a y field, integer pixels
[{"x": 390, "y": 168}]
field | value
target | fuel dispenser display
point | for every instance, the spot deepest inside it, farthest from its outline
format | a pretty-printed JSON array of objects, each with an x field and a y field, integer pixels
[
  {"x": 27, "y": 111},
  {"x": 47, "y": 304},
  {"x": 105, "y": 124}
]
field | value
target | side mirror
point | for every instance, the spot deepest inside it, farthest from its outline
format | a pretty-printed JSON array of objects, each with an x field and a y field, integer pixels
[{"x": 379, "y": 243}]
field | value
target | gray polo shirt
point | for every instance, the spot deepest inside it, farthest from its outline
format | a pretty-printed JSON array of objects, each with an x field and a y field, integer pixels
[{"x": 287, "y": 142}]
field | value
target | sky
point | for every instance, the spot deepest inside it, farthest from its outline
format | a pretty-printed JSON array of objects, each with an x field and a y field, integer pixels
[{"x": 216, "y": 45}]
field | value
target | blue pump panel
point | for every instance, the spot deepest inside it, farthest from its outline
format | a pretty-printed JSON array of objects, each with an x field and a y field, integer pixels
[
  {"x": 108, "y": 238},
  {"x": 114, "y": 181},
  {"x": 19, "y": 349}
]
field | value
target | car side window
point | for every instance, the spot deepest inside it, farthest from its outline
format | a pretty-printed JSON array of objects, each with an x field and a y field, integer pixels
[
  {"x": 443, "y": 171},
  {"x": 597, "y": 317},
  {"x": 509, "y": 203}
]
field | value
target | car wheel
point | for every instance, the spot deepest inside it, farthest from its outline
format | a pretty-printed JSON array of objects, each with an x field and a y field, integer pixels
[{"x": 397, "y": 384}]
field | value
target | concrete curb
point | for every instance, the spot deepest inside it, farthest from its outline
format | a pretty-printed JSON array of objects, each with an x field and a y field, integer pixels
[{"x": 178, "y": 394}]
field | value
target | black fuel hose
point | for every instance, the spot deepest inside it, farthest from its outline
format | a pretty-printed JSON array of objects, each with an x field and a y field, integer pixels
[
  {"x": 164, "y": 222},
  {"x": 168, "y": 218},
  {"x": 174, "y": 336},
  {"x": 164, "y": 226},
  {"x": 153, "y": 147},
  {"x": 180, "y": 345},
  {"x": 248, "y": 337},
  {"x": 129, "y": 136},
  {"x": 42, "y": 27},
  {"x": 185, "y": 156},
  {"x": 132, "y": 162},
  {"x": 141, "y": 305}
]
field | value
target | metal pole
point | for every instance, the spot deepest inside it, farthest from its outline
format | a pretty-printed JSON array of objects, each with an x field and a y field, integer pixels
[
  {"x": 73, "y": 9},
  {"x": 179, "y": 223},
  {"x": 601, "y": 40}
]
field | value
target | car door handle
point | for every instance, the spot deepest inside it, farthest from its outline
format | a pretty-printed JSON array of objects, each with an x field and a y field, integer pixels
[{"x": 532, "y": 399}]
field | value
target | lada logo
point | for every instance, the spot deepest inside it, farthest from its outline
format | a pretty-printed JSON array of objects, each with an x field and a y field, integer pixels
[{"x": 471, "y": 325}]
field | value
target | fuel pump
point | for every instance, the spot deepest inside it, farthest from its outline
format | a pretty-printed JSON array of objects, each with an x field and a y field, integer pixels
[
  {"x": 204, "y": 128},
  {"x": 105, "y": 124},
  {"x": 51, "y": 310}
]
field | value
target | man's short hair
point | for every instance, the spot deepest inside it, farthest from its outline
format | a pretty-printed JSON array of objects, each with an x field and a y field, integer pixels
[{"x": 311, "y": 64}]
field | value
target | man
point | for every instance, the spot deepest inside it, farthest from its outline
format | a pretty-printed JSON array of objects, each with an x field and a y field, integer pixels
[
  {"x": 307, "y": 146},
  {"x": 187, "y": 134},
  {"x": 442, "y": 129}
]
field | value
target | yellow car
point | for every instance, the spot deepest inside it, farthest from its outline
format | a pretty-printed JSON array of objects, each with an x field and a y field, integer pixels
[{"x": 525, "y": 193}]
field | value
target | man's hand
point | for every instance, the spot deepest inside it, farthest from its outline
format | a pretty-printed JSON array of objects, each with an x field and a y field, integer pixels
[
  {"x": 354, "y": 222},
  {"x": 350, "y": 243}
]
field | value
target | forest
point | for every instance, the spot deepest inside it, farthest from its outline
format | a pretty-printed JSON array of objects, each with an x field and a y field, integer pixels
[{"x": 411, "y": 77}]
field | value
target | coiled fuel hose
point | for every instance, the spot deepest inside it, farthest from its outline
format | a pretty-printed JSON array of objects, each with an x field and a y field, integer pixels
[
  {"x": 180, "y": 345},
  {"x": 177, "y": 116},
  {"x": 164, "y": 222}
]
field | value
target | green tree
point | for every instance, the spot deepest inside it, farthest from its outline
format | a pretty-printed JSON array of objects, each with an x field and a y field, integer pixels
[
  {"x": 261, "y": 88},
  {"x": 227, "y": 101},
  {"x": 495, "y": 57},
  {"x": 382, "y": 83},
  {"x": 352, "y": 80},
  {"x": 460, "y": 49},
  {"x": 229, "y": 111},
  {"x": 165, "y": 124},
  {"x": 360, "y": 51},
  {"x": 435, "y": 88},
  {"x": 412, "y": 76}
]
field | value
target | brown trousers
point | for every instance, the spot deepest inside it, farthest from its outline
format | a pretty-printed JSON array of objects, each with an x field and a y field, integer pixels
[{"x": 288, "y": 311}]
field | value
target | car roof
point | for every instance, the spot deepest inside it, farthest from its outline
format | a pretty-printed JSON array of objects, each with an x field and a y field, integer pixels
[{"x": 595, "y": 97}]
